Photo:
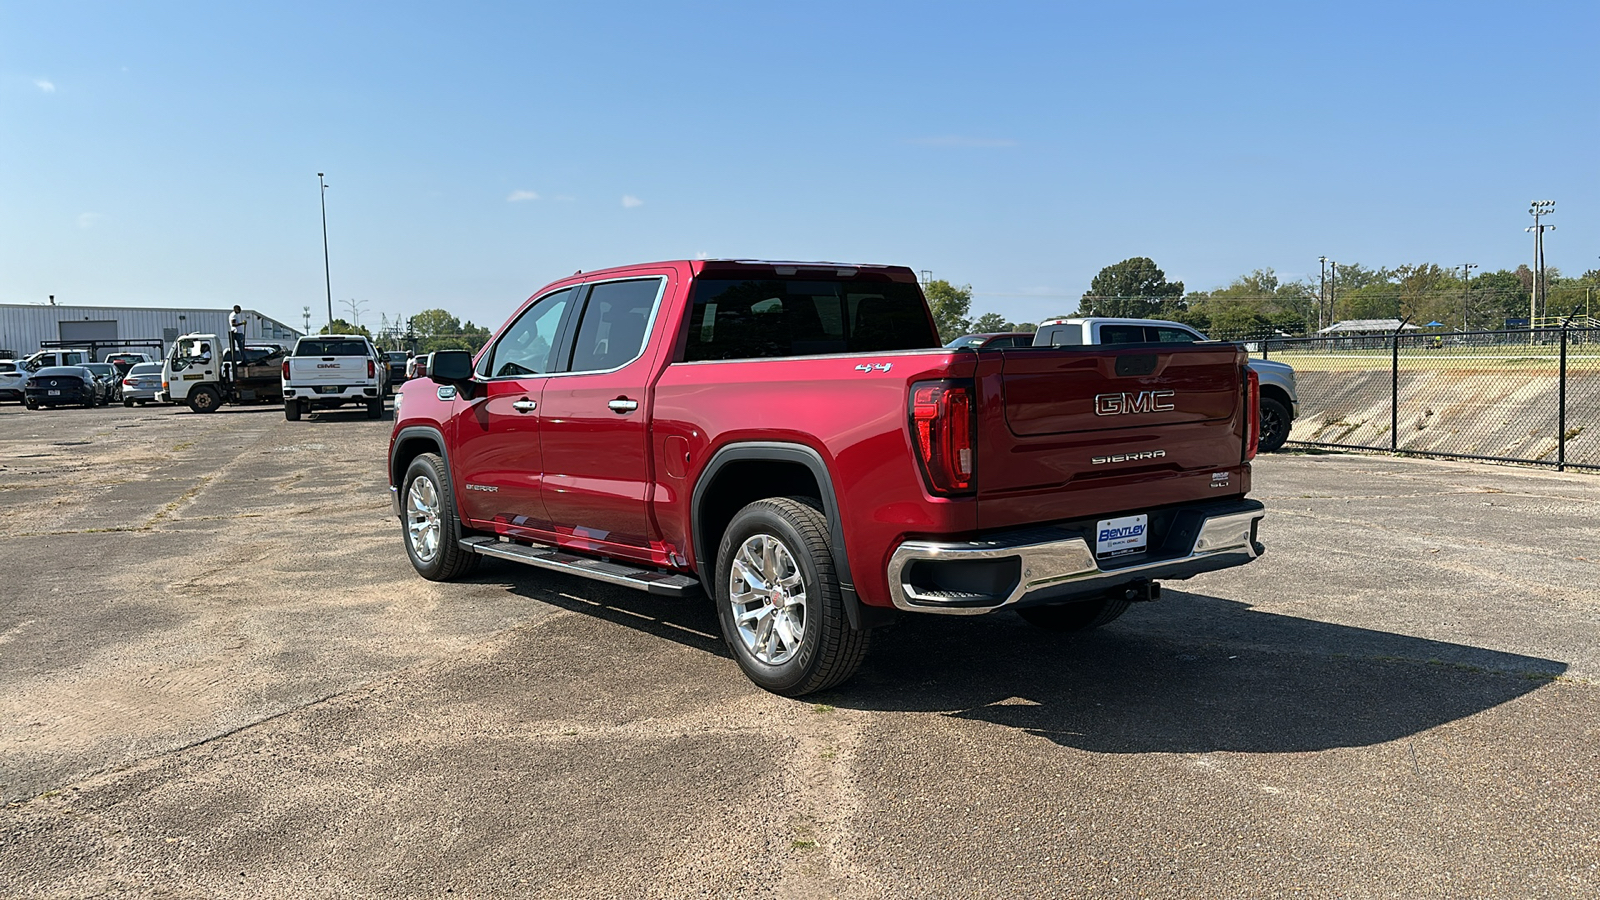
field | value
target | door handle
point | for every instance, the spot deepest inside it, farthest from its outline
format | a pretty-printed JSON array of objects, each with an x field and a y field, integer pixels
[
  {"x": 525, "y": 405},
  {"x": 623, "y": 405}
]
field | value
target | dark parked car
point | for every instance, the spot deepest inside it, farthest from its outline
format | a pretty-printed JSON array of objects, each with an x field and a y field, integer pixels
[
  {"x": 396, "y": 361},
  {"x": 110, "y": 378},
  {"x": 65, "y": 386},
  {"x": 141, "y": 384}
]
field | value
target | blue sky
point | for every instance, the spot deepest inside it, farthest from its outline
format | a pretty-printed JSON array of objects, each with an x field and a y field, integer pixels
[{"x": 166, "y": 153}]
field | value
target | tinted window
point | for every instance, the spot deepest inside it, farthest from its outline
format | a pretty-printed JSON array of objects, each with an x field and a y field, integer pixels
[
  {"x": 330, "y": 347},
  {"x": 612, "y": 331},
  {"x": 1059, "y": 336},
  {"x": 145, "y": 369},
  {"x": 1174, "y": 336},
  {"x": 8, "y": 367},
  {"x": 526, "y": 347},
  {"x": 750, "y": 318},
  {"x": 1122, "y": 334}
]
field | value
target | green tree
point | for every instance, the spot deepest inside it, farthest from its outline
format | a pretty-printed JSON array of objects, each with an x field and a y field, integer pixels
[
  {"x": 340, "y": 326},
  {"x": 1134, "y": 288},
  {"x": 950, "y": 305},
  {"x": 992, "y": 322}
]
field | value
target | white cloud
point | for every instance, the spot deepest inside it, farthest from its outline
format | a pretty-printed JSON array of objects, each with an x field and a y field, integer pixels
[
  {"x": 520, "y": 196},
  {"x": 956, "y": 140},
  {"x": 629, "y": 201},
  {"x": 89, "y": 220},
  {"x": 45, "y": 85}
]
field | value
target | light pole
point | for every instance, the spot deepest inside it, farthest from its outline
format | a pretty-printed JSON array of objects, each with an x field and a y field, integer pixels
[
  {"x": 355, "y": 311},
  {"x": 1466, "y": 282},
  {"x": 327, "y": 279},
  {"x": 1322, "y": 291},
  {"x": 1536, "y": 209},
  {"x": 1333, "y": 289},
  {"x": 307, "y": 310}
]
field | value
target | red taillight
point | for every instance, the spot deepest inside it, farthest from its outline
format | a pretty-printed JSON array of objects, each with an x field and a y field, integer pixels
[
  {"x": 942, "y": 430},
  {"x": 127, "y": 382},
  {"x": 286, "y": 370},
  {"x": 1252, "y": 415},
  {"x": 372, "y": 370}
]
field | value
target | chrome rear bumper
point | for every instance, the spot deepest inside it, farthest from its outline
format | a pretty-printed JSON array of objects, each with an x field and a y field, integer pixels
[{"x": 1057, "y": 564}]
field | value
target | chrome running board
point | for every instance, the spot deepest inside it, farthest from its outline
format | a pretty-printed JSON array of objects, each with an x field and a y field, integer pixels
[{"x": 665, "y": 584}]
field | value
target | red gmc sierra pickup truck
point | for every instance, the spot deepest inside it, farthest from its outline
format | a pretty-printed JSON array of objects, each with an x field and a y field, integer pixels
[{"x": 792, "y": 440}]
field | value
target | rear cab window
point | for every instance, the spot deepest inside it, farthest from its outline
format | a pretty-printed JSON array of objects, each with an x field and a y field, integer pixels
[
  {"x": 330, "y": 347},
  {"x": 776, "y": 316}
]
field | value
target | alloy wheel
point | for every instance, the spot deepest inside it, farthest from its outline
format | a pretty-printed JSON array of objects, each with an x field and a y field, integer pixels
[
  {"x": 768, "y": 595},
  {"x": 422, "y": 519}
]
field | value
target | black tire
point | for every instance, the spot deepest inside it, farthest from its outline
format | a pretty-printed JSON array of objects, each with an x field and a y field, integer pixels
[
  {"x": 1080, "y": 616},
  {"x": 127, "y": 403},
  {"x": 447, "y": 561},
  {"x": 291, "y": 410},
  {"x": 30, "y": 404},
  {"x": 375, "y": 409},
  {"x": 205, "y": 400},
  {"x": 1275, "y": 423},
  {"x": 828, "y": 650},
  {"x": 92, "y": 402}
]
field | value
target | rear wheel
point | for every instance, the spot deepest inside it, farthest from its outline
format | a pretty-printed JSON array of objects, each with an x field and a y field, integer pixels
[
  {"x": 1080, "y": 616},
  {"x": 375, "y": 409},
  {"x": 428, "y": 516},
  {"x": 128, "y": 403},
  {"x": 291, "y": 410},
  {"x": 779, "y": 602},
  {"x": 205, "y": 400}
]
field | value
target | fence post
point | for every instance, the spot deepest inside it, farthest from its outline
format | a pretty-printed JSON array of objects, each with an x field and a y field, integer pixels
[
  {"x": 1561, "y": 402},
  {"x": 1394, "y": 390}
]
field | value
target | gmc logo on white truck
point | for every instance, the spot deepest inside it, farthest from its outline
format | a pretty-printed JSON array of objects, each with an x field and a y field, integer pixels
[{"x": 1142, "y": 402}]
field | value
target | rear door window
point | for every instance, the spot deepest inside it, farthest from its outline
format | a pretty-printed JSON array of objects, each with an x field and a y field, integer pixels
[
  {"x": 1122, "y": 334},
  {"x": 1173, "y": 335}
]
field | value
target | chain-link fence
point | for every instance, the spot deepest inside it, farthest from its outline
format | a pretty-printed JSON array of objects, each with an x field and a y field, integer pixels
[{"x": 1527, "y": 395}]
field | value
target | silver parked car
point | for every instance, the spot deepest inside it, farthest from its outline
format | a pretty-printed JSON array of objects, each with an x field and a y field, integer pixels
[
  {"x": 12, "y": 379},
  {"x": 141, "y": 384}
]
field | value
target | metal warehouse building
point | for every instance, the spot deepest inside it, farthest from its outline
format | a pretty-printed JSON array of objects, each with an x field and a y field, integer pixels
[{"x": 23, "y": 327}]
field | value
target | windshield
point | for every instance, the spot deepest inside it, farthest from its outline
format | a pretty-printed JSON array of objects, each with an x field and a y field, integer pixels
[
  {"x": 190, "y": 352},
  {"x": 331, "y": 347}
]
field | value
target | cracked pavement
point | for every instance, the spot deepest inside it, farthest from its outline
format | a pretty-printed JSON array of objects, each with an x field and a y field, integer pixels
[{"x": 220, "y": 678}]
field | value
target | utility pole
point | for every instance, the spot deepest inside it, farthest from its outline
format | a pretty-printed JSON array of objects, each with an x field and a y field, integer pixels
[
  {"x": 1536, "y": 209},
  {"x": 307, "y": 313},
  {"x": 1322, "y": 292},
  {"x": 1466, "y": 282},
  {"x": 1333, "y": 289},
  {"x": 326, "y": 277}
]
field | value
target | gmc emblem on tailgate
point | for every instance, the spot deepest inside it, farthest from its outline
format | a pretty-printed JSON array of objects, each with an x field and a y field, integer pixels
[{"x": 1142, "y": 402}]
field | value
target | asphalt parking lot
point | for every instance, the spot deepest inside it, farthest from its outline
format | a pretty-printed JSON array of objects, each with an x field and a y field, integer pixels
[{"x": 220, "y": 678}]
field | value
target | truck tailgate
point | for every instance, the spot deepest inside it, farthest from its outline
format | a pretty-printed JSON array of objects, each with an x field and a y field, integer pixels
[
  {"x": 310, "y": 371},
  {"x": 1067, "y": 433}
]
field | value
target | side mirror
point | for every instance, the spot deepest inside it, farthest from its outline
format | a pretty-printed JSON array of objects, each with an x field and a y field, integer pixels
[{"x": 453, "y": 367}]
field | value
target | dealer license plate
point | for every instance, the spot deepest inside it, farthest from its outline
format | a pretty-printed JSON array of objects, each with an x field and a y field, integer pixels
[
  {"x": 52, "y": 393},
  {"x": 1115, "y": 537}
]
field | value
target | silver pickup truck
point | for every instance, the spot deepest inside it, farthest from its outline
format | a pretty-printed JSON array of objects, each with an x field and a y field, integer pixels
[
  {"x": 1279, "y": 402},
  {"x": 330, "y": 370}
]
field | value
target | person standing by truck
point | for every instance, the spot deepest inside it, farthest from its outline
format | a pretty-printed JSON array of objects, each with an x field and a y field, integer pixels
[{"x": 236, "y": 334}]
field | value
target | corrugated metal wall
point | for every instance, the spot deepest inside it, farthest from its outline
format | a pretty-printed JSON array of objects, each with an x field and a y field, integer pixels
[{"x": 24, "y": 326}]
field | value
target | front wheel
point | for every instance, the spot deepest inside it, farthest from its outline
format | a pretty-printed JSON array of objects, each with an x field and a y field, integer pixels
[
  {"x": 1275, "y": 423},
  {"x": 205, "y": 400},
  {"x": 428, "y": 514},
  {"x": 779, "y": 602}
]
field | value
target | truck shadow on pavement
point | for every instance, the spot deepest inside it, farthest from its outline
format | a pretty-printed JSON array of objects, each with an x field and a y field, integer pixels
[{"x": 1190, "y": 674}]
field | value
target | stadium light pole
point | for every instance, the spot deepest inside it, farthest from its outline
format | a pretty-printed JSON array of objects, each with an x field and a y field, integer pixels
[
  {"x": 1466, "y": 283},
  {"x": 1536, "y": 209},
  {"x": 327, "y": 279}
]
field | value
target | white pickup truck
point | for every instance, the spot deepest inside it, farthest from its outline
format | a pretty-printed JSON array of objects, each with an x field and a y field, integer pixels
[{"x": 330, "y": 370}]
